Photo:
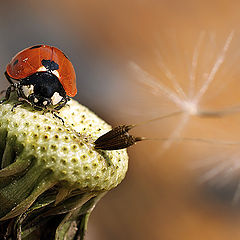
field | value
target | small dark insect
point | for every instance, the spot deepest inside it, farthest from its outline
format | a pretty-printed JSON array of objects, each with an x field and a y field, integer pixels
[{"x": 117, "y": 138}]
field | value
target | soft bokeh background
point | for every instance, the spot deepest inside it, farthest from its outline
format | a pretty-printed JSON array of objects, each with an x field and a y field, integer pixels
[{"x": 173, "y": 191}]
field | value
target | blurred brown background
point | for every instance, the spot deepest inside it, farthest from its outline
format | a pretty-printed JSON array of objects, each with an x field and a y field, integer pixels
[{"x": 161, "y": 197}]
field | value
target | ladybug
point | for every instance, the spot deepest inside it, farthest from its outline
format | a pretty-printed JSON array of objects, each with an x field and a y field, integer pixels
[{"x": 44, "y": 77}]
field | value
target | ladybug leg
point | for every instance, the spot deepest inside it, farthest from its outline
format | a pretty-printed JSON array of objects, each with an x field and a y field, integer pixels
[
  {"x": 62, "y": 103},
  {"x": 8, "y": 77},
  {"x": 56, "y": 116},
  {"x": 16, "y": 105},
  {"x": 44, "y": 110},
  {"x": 22, "y": 100},
  {"x": 54, "y": 111},
  {"x": 32, "y": 101},
  {"x": 3, "y": 91},
  {"x": 8, "y": 93},
  {"x": 38, "y": 108}
]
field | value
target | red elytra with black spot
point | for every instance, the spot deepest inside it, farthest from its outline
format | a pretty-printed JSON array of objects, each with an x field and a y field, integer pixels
[{"x": 29, "y": 61}]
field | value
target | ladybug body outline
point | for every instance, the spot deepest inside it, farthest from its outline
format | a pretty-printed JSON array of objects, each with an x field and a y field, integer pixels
[{"x": 44, "y": 77}]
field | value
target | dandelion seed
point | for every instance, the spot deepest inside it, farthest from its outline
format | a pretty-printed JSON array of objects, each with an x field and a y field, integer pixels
[
  {"x": 170, "y": 76},
  {"x": 214, "y": 70},
  {"x": 192, "y": 74},
  {"x": 177, "y": 131},
  {"x": 157, "y": 87},
  {"x": 222, "y": 168}
]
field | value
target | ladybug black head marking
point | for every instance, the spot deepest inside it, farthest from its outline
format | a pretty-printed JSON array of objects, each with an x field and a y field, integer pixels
[{"x": 50, "y": 65}]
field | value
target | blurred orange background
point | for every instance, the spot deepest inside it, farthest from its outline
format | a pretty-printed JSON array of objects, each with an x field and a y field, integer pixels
[{"x": 170, "y": 191}]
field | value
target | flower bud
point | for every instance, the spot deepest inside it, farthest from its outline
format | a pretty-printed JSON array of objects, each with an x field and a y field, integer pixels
[{"x": 50, "y": 168}]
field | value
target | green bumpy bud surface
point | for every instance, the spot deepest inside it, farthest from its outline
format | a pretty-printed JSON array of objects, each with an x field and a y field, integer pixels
[{"x": 39, "y": 153}]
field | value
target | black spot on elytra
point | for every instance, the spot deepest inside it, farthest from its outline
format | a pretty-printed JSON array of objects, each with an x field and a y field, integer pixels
[
  {"x": 50, "y": 65},
  {"x": 15, "y": 62},
  {"x": 36, "y": 46}
]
